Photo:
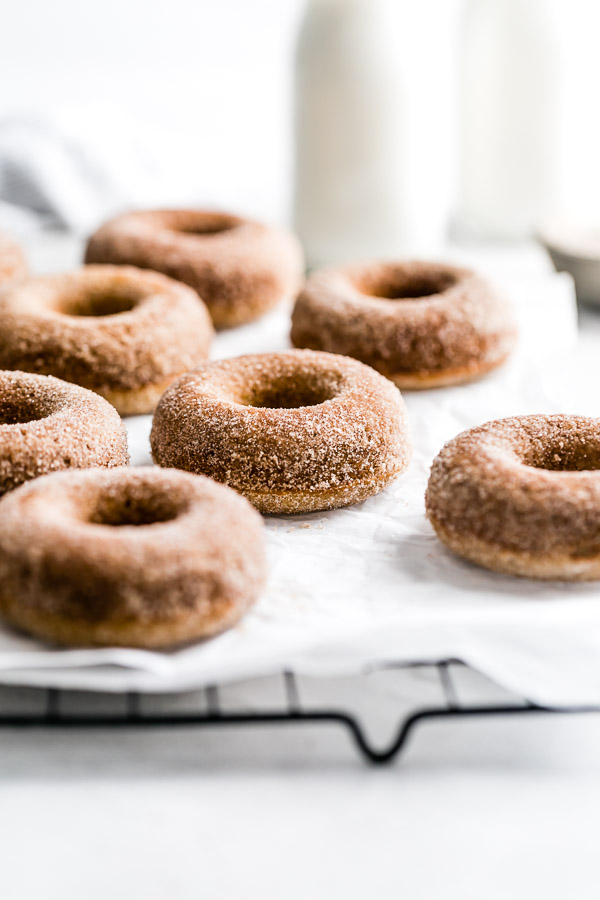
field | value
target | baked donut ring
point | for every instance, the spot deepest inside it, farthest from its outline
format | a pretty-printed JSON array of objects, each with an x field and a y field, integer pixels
[
  {"x": 127, "y": 557},
  {"x": 123, "y": 333},
  {"x": 421, "y": 324},
  {"x": 294, "y": 431},
  {"x": 47, "y": 424},
  {"x": 12, "y": 260},
  {"x": 240, "y": 268},
  {"x": 522, "y": 496}
]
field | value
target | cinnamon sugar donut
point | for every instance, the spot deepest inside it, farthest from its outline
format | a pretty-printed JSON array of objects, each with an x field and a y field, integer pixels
[
  {"x": 12, "y": 260},
  {"x": 121, "y": 332},
  {"x": 421, "y": 324},
  {"x": 294, "y": 431},
  {"x": 240, "y": 268},
  {"x": 522, "y": 496},
  {"x": 47, "y": 424},
  {"x": 130, "y": 557}
]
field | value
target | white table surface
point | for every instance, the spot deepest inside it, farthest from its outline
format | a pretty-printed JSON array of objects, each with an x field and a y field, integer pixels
[
  {"x": 477, "y": 809},
  {"x": 474, "y": 810}
]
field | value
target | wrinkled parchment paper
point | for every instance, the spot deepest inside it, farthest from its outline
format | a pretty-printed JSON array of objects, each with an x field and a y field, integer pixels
[{"x": 371, "y": 583}]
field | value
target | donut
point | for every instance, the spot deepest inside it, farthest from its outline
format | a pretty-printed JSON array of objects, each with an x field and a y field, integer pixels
[
  {"x": 240, "y": 268},
  {"x": 121, "y": 332},
  {"x": 47, "y": 424},
  {"x": 293, "y": 432},
  {"x": 522, "y": 496},
  {"x": 421, "y": 324},
  {"x": 137, "y": 557},
  {"x": 12, "y": 260}
]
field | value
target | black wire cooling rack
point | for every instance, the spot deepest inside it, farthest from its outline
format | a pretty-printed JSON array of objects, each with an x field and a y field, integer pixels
[{"x": 54, "y": 714}]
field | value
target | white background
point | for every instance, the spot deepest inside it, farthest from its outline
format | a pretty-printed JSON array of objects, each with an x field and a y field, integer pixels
[{"x": 189, "y": 100}]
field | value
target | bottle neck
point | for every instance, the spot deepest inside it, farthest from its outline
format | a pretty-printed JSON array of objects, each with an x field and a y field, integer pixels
[
  {"x": 343, "y": 5},
  {"x": 518, "y": 7},
  {"x": 513, "y": 18}
]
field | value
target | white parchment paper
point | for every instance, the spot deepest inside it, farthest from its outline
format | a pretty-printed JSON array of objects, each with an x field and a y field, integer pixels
[{"x": 372, "y": 583}]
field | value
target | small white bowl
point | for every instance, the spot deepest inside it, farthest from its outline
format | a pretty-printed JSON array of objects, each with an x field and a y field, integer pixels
[{"x": 576, "y": 250}]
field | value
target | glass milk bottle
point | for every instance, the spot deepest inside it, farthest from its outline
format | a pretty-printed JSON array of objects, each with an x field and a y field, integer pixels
[
  {"x": 371, "y": 172},
  {"x": 508, "y": 117}
]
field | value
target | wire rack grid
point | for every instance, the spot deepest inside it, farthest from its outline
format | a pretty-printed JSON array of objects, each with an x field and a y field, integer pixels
[{"x": 292, "y": 711}]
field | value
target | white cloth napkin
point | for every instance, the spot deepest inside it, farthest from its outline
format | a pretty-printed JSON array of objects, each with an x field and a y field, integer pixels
[{"x": 59, "y": 172}]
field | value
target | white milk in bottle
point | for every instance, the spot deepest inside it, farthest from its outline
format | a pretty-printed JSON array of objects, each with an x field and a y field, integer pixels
[
  {"x": 508, "y": 117},
  {"x": 371, "y": 109}
]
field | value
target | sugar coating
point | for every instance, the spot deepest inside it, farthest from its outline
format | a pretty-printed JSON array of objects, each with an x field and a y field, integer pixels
[
  {"x": 239, "y": 267},
  {"x": 47, "y": 424},
  {"x": 12, "y": 259},
  {"x": 133, "y": 556},
  {"x": 48, "y": 326},
  {"x": 286, "y": 428},
  {"x": 528, "y": 484},
  {"x": 418, "y": 323}
]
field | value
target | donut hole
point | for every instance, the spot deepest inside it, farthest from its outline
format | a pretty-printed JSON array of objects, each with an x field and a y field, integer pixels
[
  {"x": 565, "y": 452},
  {"x": 98, "y": 302},
  {"x": 565, "y": 459},
  {"x": 399, "y": 284},
  {"x": 135, "y": 509},
  {"x": 290, "y": 392},
  {"x": 206, "y": 226},
  {"x": 21, "y": 411}
]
